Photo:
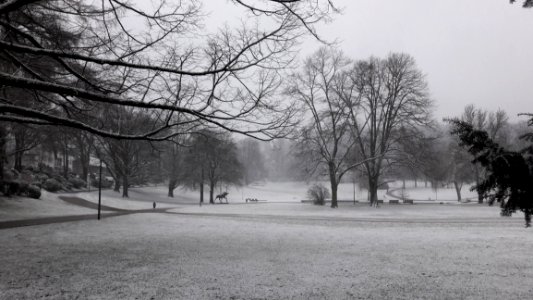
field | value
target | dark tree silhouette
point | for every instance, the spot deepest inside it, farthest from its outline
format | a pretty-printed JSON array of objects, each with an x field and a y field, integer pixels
[
  {"x": 509, "y": 174},
  {"x": 526, "y": 4},
  {"x": 63, "y": 52}
]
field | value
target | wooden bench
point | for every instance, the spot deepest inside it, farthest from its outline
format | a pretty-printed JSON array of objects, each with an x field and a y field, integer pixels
[
  {"x": 407, "y": 201},
  {"x": 380, "y": 201},
  {"x": 394, "y": 201}
]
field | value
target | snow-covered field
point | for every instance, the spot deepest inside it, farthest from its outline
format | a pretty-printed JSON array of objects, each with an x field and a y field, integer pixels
[
  {"x": 166, "y": 256},
  {"x": 269, "y": 250}
]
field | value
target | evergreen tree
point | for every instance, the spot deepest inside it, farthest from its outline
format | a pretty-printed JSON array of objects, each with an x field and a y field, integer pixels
[{"x": 509, "y": 174}]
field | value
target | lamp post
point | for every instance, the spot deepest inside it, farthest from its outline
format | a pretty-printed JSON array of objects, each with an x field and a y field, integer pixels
[{"x": 100, "y": 190}]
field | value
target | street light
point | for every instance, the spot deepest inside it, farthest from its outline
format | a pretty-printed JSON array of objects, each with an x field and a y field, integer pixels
[{"x": 100, "y": 191}]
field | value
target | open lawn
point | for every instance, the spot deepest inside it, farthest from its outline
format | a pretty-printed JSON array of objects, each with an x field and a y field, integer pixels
[{"x": 274, "y": 251}]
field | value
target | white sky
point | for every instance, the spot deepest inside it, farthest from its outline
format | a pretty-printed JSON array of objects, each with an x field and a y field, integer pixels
[{"x": 472, "y": 51}]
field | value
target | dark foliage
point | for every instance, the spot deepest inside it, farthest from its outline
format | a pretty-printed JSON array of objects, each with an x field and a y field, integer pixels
[
  {"x": 77, "y": 183},
  {"x": 509, "y": 176},
  {"x": 527, "y": 3},
  {"x": 52, "y": 185},
  {"x": 33, "y": 191}
]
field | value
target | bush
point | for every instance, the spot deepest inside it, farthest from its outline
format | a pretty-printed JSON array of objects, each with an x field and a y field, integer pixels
[
  {"x": 318, "y": 193},
  {"x": 106, "y": 183},
  {"x": 12, "y": 187},
  {"x": 52, "y": 185},
  {"x": 33, "y": 191},
  {"x": 77, "y": 183}
]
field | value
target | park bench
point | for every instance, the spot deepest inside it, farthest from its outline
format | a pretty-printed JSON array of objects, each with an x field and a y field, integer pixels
[
  {"x": 394, "y": 201},
  {"x": 407, "y": 201},
  {"x": 254, "y": 200},
  {"x": 380, "y": 201}
]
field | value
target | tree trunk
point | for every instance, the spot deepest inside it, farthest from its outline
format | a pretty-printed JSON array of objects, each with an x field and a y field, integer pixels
[
  {"x": 201, "y": 193},
  {"x": 171, "y": 187},
  {"x": 18, "y": 161},
  {"x": 19, "y": 150},
  {"x": 3, "y": 142},
  {"x": 334, "y": 184},
  {"x": 458, "y": 190},
  {"x": 202, "y": 187},
  {"x": 211, "y": 193},
  {"x": 476, "y": 172},
  {"x": 84, "y": 170},
  {"x": 65, "y": 162},
  {"x": 373, "y": 190},
  {"x": 125, "y": 186},
  {"x": 117, "y": 185},
  {"x": 334, "y": 203}
]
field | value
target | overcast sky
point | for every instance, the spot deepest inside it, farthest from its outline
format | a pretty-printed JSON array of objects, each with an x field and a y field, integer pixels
[{"x": 472, "y": 51}]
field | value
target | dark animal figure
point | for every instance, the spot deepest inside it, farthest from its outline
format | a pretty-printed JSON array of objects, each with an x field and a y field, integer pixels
[
  {"x": 222, "y": 196},
  {"x": 154, "y": 204}
]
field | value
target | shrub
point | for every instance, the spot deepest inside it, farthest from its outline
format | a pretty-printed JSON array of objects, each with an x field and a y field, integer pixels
[
  {"x": 318, "y": 193},
  {"x": 77, "y": 183},
  {"x": 106, "y": 183},
  {"x": 12, "y": 187},
  {"x": 33, "y": 191},
  {"x": 52, "y": 185}
]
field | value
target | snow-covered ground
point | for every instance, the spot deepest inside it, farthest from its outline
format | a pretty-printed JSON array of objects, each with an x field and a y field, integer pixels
[
  {"x": 276, "y": 193},
  {"x": 17, "y": 208},
  {"x": 442, "y": 194},
  {"x": 168, "y": 256},
  {"x": 267, "y": 250}
]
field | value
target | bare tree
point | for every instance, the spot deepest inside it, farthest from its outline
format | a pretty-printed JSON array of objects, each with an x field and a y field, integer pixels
[
  {"x": 173, "y": 159},
  {"x": 383, "y": 95},
  {"x": 125, "y": 158},
  {"x": 324, "y": 142},
  {"x": 94, "y": 56}
]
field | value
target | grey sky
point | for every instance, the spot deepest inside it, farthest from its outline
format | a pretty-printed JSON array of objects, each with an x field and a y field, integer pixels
[{"x": 473, "y": 51}]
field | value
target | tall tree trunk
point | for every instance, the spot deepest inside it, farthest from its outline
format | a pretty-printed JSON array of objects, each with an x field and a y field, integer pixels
[
  {"x": 125, "y": 186},
  {"x": 211, "y": 193},
  {"x": 202, "y": 186},
  {"x": 373, "y": 190},
  {"x": 201, "y": 193},
  {"x": 117, "y": 185},
  {"x": 171, "y": 186},
  {"x": 478, "y": 180},
  {"x": 65, "y": 162},
  {"x": 18, "y": 161},
  {"x": 84, "y": 170},
  {"x": 458, "y": 189},
  {"x": 3, "y": 142},
  {"x": 334, "y": 184},
  {"x": 19, "y": 149}
]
